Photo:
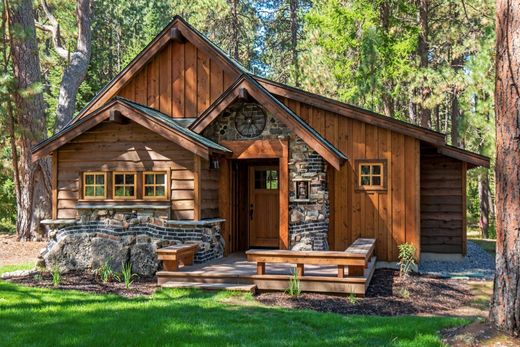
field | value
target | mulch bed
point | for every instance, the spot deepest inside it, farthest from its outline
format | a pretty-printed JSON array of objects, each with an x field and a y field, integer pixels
[
  {"x": 87, "y": 282},
  {"x": 386, "y": 296}
]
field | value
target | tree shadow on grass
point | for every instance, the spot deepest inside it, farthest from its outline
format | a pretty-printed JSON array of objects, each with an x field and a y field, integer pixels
[{"x": 185, "y": 317}]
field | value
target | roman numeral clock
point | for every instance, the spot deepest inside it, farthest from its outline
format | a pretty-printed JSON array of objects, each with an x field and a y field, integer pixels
[{"x": 250, "y": 120}]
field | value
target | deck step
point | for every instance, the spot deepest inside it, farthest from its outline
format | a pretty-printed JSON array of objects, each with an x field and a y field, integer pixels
[{"x": 211, "y": 286}]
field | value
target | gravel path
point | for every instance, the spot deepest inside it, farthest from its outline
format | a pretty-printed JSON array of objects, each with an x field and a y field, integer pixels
[{"x": 477, "y": 264}]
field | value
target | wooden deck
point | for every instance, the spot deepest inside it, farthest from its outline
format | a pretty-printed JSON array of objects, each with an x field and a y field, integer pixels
[{"x": 236, "y": 270}]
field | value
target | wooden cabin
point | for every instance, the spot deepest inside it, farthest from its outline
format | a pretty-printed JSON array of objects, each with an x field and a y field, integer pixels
[{"x": 184, "y": 141}]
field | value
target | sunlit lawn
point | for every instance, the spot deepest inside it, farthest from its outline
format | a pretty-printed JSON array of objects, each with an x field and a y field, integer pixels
[{"x": 46, "y": 317}]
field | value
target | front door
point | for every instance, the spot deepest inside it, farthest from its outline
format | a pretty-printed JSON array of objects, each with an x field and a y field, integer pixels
[{"x": 264, "y": 208}]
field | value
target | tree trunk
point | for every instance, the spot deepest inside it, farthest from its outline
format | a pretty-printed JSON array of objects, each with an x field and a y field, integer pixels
[
  {"x": 484, "y": 199},
  {"x": 457, "y": 64},
  {"x": 293, "y": 8},
  {"x": 78, "y": 61},
  {"x": 234, "y": 30},
  {"x": 386, "y": 96},
  {"x": 422, "y": 51},
  {"x": 29, "y": 118},
  {"x": 505, "y": 306}
]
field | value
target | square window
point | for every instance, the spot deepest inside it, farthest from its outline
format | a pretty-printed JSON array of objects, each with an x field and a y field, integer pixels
[
  {"x": 94, "y": 185},
  {"x": 124, "y": 185},
  {"x": 371, "y": 174},
  {"x": 154, "y": 184}
]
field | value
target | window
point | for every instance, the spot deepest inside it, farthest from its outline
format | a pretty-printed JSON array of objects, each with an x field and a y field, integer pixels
[
  {"x": 94, "y": 185},
  {"x": 371, "y": 174},
  {"x": 154, "y": 185},
  {"x": 266, "y": 179},
  {"x": 124, "y": 185}
]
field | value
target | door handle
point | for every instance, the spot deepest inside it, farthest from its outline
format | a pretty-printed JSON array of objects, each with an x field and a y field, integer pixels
[{"x": 251, "y": 212}]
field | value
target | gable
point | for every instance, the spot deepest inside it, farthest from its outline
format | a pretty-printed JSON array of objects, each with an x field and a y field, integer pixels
[{"x": 180, "y": 79}]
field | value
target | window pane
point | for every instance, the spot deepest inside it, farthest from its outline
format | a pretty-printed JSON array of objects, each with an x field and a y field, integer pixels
[
  {"x": 89, "y": 191},
  {"x": 376, "y": 180},
  {"x": 100, "y": 191},
  {"x": 119, "y": 191},
  {"x": 160, "y": 179},
  {"x": 129, "y": 191},
  {"x": 100, "y": 179},
  {"x": 365, "y": 180},
  {"x": 119, "y": 179},
  {"x": 89, "y": 179},
  {"x": 376, "y": 169},
  {"x": 160, "y": 191},
  {"x": 148, "y": 191},
  {"x": 365, "y": 169},
  {"x": 129, "y": 179},
  {"x": 260, "y": 177},
  {"x": 148, "y": 179}
]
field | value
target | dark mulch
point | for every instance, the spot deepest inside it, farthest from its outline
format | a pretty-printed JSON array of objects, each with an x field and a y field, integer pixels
[
  {"x": 88, "y": 282},
  {"x": 385, "y": 297}
]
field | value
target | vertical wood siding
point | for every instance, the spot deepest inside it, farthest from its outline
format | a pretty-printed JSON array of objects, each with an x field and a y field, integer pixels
[
  {"x": 393, "y": 216},
  {"x": 124, "y": 147},
  {"x": 181, "y": 81}
]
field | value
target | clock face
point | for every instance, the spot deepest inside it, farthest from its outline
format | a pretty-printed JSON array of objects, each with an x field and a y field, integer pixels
[{"x": 250, "y": 120}]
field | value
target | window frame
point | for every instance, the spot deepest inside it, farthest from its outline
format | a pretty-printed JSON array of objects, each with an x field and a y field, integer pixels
[
  {"x": 114, "y": 185},
  {"x": 166, "y": 185},
  {"x": 84, "y": 185},
  {"x": 372, "y": 162}
]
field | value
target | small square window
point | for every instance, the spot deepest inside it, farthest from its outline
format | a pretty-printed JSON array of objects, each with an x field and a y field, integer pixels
[
  {"x": 94, "y": 185},
  {"x": 124, "y": 185},
  {"x": 154, "y": 185},
  {"x": 371, "y": 174}
]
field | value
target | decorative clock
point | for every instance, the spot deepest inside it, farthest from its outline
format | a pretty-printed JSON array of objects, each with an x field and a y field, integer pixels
[{"x": 250, "y": 120}]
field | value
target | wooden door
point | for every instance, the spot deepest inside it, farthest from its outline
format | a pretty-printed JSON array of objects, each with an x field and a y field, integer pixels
[{"x": 264, "y": 206}]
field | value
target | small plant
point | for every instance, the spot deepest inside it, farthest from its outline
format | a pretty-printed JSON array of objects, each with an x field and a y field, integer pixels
[
  {"x": 352, "y": 299},
  {"x": 56, "y": 276},
  {"x": 406, "y": 258},
  {"x": 294, "y": 285},
  {"x": 126, "y": 275},
  {"x": 404, "y": 293},
  {"x": 105, "y": 272},
  {"x": 38, "y": 277}
]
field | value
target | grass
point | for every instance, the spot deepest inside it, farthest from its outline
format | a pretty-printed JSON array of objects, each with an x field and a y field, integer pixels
[
  {"x": 9, "y": 268},
  {"x": 50, "y": 317}
]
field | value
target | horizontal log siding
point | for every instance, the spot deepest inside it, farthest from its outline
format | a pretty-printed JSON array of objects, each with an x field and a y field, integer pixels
[
  {"x": 392, "y": 217},
  {"x": 442, "y": 203},
  {"x": 124, "y": 147},
  {"x": 209, "y": 186},
  {"x": 181, "y": 81}
]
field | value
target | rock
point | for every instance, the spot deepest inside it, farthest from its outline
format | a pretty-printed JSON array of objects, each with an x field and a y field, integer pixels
[
  {"x": 296, "y": 216},
  {"x": 144, "y": 259},
  {"x": 18, "y": 273},
  {"x": 108, "y": 250},
  {"x": 71, "y": 252}
]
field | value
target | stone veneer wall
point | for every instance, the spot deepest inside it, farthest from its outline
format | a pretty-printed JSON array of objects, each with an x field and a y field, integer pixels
[
  {"x": 308, "y": 220},
  {"x": 125, "y": 229}
]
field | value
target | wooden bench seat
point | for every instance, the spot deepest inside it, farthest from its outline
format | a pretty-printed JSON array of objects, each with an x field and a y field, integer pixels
[
  {"x": 171, "y": 256},
  {"x": 355, "y": 258}
]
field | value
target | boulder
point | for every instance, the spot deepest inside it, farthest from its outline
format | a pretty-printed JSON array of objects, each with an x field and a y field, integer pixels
[
  {"x": 71, "y": 252},
  {"x": 115, "y": 252},
  {"x": 144, "y": 259}
]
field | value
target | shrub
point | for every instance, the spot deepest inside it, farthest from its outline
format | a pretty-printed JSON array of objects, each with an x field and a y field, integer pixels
[
  {"x": 56, "y": 276},
  {"x": 38, "y": 277},
  {"x": 126, "y": 275},
  {"x": 294, "y": 285},
  {"x": 404, "y": 293},
  {"x": 352, "y": 298},
  {"x": 406, "y": 258},
  {"x": 105, "y": 272}
]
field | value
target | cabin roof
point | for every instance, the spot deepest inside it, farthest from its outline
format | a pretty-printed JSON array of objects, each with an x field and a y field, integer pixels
[
  {"x": 284, "y": 114},
  {"x": 271, "y": 88},
  {"x": 171, "y": 129}
]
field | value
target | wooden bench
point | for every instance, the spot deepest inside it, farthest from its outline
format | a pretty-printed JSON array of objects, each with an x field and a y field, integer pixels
[
  {"x": 173, "y": 255},
  {"x": 355, "y": 258}
]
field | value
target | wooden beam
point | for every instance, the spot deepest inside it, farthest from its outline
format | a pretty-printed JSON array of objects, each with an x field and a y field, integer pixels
[
  {"x": 54, "y": 185},
  {"x": 224, "y": 201},
  {"x": 176, "y": 35},
  {"x": 464, "y": 221},
  {"x": 283, "y": 163},
  {"x": 255, "y": 149},
  {"x": 197, "y": 187}
]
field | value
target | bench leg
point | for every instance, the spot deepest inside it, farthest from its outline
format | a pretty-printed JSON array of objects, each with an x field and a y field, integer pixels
[
  {"x": 260, "y": 268},
  {"x": 188, "y": 260},
  {"x": 341, "y": 271},
  {"x": 356, "y": 271},
  {"x": 299, "y": 270},
  {"x": 170, "y": 265}
]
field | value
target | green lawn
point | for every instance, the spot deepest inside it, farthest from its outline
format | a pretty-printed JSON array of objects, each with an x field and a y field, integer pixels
[{"x": 46, "y": 317}]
